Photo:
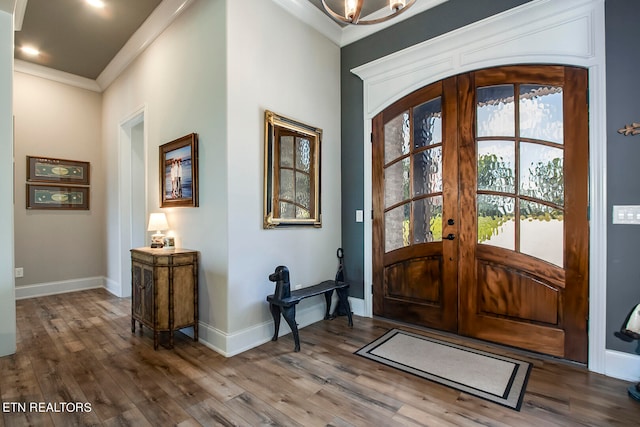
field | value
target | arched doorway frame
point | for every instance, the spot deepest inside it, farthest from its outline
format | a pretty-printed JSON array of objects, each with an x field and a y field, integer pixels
[{"x": 544, "y": 31}]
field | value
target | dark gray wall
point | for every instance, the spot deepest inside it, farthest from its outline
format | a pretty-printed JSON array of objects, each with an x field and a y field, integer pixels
[
  {"x": 442, "y": 19},
  {"x": 623, "y": 158}
]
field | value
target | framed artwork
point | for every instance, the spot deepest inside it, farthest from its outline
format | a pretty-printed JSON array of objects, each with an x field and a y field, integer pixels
[
  {"x": 179, "y": 172},
  {"x": 291, "y": 172},
  {"x": 45, "y": 169},
  {"x": 57, "y": 197}
]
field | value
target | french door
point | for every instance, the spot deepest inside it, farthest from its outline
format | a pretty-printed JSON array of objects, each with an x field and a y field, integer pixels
[{"x": 480, "y": 208}]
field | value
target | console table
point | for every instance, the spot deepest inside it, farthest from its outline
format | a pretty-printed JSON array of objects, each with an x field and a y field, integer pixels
[{"x": 164, "y": 291}]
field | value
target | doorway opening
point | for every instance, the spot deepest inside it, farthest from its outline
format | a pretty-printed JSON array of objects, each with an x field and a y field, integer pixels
[{"x": 133, "y": 193}]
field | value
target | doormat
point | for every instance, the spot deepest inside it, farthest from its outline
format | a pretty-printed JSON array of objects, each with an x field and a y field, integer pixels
[{"x": 496, "y": 378}]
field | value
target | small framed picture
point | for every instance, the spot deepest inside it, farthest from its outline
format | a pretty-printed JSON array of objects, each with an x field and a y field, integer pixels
[
  {"x": 179, "y": 172},
  {"x": 57, "y": 197},
  {"x": 46, "y": 169},
  {"x": 169, "y": 242}
]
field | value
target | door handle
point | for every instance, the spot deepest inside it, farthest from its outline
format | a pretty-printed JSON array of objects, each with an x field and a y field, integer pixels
[
  {"x": 451, "y": 221},
  {"x": 450, "y": 236}
]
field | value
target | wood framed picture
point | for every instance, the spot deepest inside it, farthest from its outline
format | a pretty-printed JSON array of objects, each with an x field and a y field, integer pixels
[
  {"x": 46, "y": 169},
  {"x": 57, "y": 197},
  {"x": 179, "y": 172}
]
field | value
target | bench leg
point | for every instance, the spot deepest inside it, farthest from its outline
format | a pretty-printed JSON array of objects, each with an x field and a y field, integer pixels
[
  {"x": 289, "y": 314},
  {"x": 275, "y": 312},
  {"x": 327, "y": 298},
  {"x": 343, "y": 300}
]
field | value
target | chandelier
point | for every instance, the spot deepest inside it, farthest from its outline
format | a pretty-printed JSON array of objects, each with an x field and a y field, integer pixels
[{"x": 353, "y": 8}]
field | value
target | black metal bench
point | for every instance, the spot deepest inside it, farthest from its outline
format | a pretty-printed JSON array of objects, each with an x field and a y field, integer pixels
[{"x": 287, "y": 305}]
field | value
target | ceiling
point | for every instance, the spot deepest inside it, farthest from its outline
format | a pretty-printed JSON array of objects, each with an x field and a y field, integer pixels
[{"x": 82, "y": 40}]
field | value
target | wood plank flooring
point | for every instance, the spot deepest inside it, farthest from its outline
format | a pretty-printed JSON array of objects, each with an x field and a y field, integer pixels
[{"x": 78, "y": 347}]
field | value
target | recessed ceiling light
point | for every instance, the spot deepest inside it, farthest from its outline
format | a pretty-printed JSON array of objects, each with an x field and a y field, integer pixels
[
  {"x": 96, "y": 3},
  {"x": 31, "y": 51}
]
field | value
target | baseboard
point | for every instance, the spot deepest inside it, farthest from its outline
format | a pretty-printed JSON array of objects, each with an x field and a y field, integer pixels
[
  {"x": 624, "y": 366},
  {"x": 235, "y": 343},
  {"x": 64, "y": 286},
  {"x": 357, "y": 306},
  {"x": 113, "y": 287}
]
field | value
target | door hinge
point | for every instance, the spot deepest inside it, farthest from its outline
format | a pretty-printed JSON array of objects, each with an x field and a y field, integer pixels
[
  {"x": 372, "y": 137},
  {"x": 372, "y": 214}
]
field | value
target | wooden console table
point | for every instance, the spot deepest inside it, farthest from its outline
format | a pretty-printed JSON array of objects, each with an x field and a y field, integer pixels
[{"x": 164, "y": 291}]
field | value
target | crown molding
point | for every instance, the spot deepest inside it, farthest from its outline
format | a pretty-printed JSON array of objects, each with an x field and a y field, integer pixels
[
  {"x": 342, "y": 36},
  {"x": 156, "y": 23},
  {"x": 159, "y": 20},
  {"x": 18, "y": 14},
  {"x": 55, "y": 75}
]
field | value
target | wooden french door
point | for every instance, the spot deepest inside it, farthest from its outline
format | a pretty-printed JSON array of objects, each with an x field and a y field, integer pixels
[{"x": 480, "y": 196}]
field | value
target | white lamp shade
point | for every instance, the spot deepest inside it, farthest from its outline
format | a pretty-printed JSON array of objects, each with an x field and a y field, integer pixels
[{"x": 158, "y": 222}]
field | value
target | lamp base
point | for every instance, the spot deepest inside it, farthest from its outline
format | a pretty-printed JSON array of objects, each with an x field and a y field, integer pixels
[{"x": 157, "y": 240}]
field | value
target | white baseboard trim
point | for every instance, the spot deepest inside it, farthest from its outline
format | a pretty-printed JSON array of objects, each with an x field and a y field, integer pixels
[
  {"x": 113, "y": 287},
  {"x": 358, "y": 307},
  {"x": 235, "y": 343},
  {"x": 624, "y": 366},
  {"x": 64, "y": 286}
]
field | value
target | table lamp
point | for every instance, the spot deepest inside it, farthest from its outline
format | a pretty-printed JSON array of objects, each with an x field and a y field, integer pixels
[{"x": 157, "y": 223}]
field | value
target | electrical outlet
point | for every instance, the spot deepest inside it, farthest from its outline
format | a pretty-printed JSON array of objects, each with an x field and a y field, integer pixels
[{"x": 19, "y": 272}]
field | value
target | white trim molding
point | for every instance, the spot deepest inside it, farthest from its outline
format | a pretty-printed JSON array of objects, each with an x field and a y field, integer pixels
[
  {"x": 55, "y": 75},
  {"x": 159, "y": 20},
  {"x": 61, "y": 287},
  {"x": 230, "y": 344},
  {"x": 570, "y": 32}
]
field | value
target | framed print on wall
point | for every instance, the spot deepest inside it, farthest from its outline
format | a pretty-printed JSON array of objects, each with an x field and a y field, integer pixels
[
  {"x": 46, "y": 169},
  {"x": 179, "y": 172},
  {"x": 57, "y": 197}
]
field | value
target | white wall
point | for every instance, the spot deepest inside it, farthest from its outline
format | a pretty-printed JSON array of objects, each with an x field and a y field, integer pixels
[
  {"x": 214, "y": 72},
  {"x": 7, "y": 292},
  {"x": 180, "y": 80},
  {"x": 278, "y": 63},
  {"x": 56, "y": 120}
]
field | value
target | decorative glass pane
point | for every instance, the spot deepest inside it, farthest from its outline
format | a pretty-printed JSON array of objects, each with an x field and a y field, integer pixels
[
  {"x": 427, "y": 171},
  {"x": 427, "y": 123},
  {"x": 286, "y": 151},
  {"x": 303, "y": 191},
  {"x": 303, "y": 150},
  {"x": 542, "y": 232},
  {"x": 396, "y": 227},
  {"x": 287, "y": 188},
  {"x": 541, "y": 113},
  {"x": 495, "y": 111},
  {"x": 396, "y": 183},
  {"x": 396, "y": 137},
  {"x": 287, "y": 210},
  {"x": 541, "y": 172},
  {"x": 302, "y": 213},
  {"x": 427, "y": 220},
  {"x": 496, "y": 224},
  {"x": 496, "y": 166}
]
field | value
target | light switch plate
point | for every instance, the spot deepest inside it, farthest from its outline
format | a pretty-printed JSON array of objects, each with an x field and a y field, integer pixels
[
  {"x": 359, "y": 215},
  {"x": 626, "y": 214}
]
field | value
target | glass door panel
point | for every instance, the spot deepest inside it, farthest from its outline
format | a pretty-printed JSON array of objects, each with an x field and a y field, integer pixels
[
  {"x": 427, "y": 171},
  {"x": 541, "y": 114},
  {"x": 396, "y": 137},
  {"x": 520, "y": 153},
  {"x": 495, "y": 111}
]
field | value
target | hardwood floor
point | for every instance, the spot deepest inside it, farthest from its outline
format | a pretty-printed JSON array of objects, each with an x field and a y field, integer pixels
[{"x": 79, "y": 348}]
